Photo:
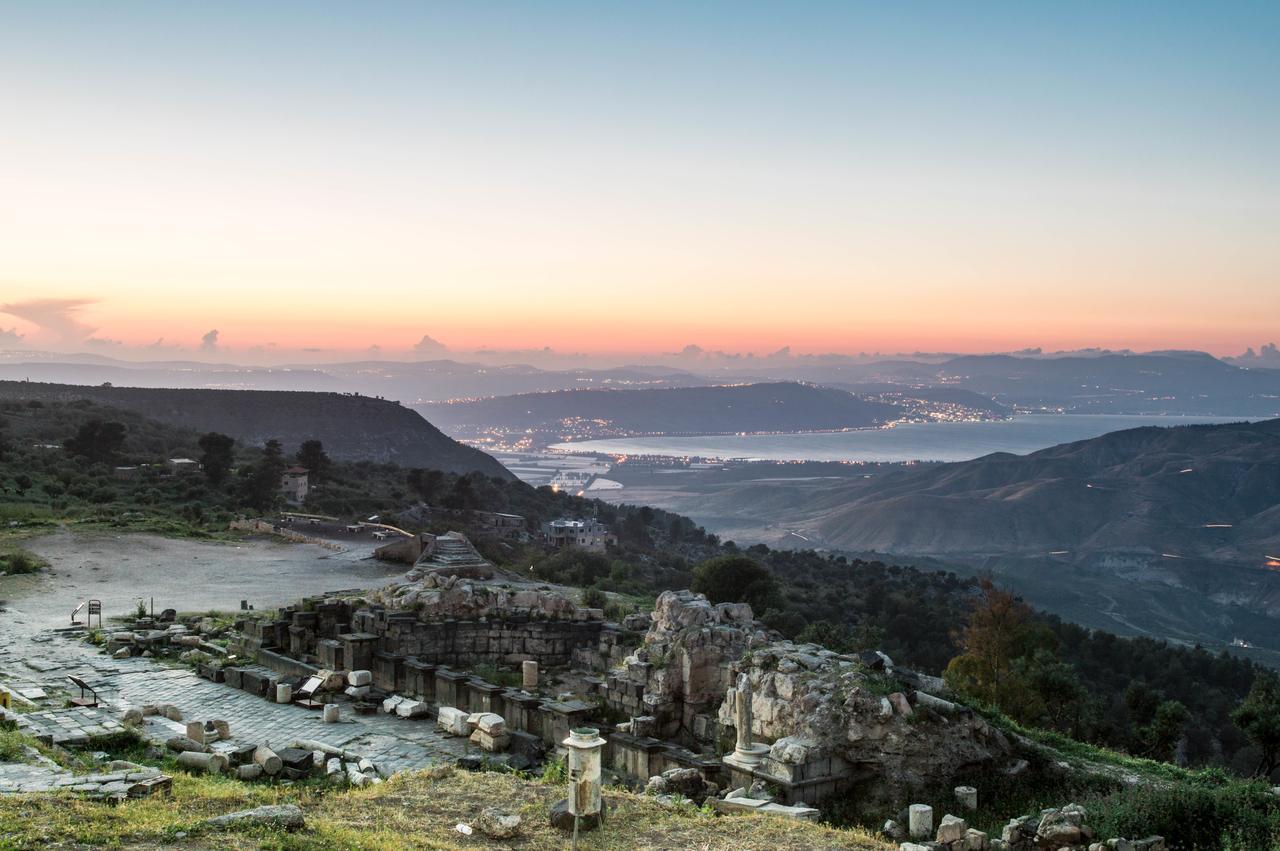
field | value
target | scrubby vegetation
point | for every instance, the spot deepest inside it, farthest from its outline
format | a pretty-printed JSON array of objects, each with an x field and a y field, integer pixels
[{"x": 413, "y": 810}]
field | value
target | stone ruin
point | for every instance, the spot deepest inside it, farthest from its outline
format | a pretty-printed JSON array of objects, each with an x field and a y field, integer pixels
[
  {"x": 693, "y": 687},
  {"x": 807, "y": 722}
]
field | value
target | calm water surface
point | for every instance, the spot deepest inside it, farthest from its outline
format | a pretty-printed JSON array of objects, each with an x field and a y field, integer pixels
[{"x": 914, "y": 442}]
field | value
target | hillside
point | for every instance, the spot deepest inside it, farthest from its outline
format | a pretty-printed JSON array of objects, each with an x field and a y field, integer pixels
[
  {"x": 351, "y": 427},
  {"x": 1169, "y": 531},
  {"x": 771, "y": 407}
]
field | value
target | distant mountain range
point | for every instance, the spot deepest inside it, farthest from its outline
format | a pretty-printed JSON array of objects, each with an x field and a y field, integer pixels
[
  {"x": 351, "y": 427},
  {"x": 1088, "y": 382},
  {"x": 770, "y": 407},
  {"x": 1174, "y": 531}
]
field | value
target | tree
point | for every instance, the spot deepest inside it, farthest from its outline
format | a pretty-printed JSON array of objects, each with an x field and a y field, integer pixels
[
  {"x": 96, "y": 441},
  {"x": 1001, "y": 631},
  {"x": 311, "y": 455},
  {"x": 736, "y": 579},
  {"x": 1258, "y": 717},
  {"x": 217, "y": 456},
  {"x": 425, "y": 483},
  {"x": 260, "y": 488},
  {"x": 462, "y": 496},
  {"x": 1161, "y": 736}
]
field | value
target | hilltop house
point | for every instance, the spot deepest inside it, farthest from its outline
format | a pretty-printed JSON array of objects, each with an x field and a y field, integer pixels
[
  {"x": 589, "y": 534},
  {"x": 295, "y": 484},
  {"x": 183, "y": 465}
]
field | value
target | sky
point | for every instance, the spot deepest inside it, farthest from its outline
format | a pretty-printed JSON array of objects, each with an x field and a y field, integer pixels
[{"x": 614, "y": 178}]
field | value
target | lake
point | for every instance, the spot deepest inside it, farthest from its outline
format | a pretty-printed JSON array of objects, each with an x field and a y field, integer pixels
[{"x": 911, "y": 442}]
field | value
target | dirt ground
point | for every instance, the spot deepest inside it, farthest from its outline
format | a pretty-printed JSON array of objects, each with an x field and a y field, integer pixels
[{"x": 187, "y": 575}]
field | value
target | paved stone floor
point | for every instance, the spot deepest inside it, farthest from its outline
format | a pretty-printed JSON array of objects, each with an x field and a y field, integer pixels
[{"x": 33, "y": 658}]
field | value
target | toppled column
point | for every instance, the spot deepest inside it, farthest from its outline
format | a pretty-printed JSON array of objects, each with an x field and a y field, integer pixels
[{"x": 268, "y": 759}]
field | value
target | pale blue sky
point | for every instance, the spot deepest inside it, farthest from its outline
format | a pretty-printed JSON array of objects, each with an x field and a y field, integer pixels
[{"x": 884, "y": 165}]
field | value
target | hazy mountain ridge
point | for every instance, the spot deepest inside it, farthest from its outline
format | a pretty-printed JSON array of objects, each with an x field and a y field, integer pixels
[
  {"x": 768, "y": 407},
  {"x": 351, "y": 427}
]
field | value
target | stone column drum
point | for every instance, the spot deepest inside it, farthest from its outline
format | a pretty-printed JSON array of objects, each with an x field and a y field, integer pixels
[{"x": 529, "y": 674}]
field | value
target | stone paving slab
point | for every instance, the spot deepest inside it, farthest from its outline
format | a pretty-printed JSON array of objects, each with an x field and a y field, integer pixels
[{"x": 392, "y": 743}]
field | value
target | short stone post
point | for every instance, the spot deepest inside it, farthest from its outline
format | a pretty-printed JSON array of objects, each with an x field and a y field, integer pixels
[
  {"x": 920, "y": 821},
  {"x": 967, "y": 797},
  {"x": 331, "y": 713},
  {"x": 529, "y": 674},
  {"x": 284, "y": 693},
  {"x": 584, "y": 744},
  {"x": 195, "y": 731}
]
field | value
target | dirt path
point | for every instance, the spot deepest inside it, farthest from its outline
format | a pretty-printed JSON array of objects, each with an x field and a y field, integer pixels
[{"x": 120, "y": 569}]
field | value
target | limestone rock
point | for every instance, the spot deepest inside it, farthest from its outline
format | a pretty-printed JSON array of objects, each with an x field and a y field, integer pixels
[
  {"x": 951, "y": 829},
  {"x": 496, "y": 824},
  {"x": 280, "y": 816}
]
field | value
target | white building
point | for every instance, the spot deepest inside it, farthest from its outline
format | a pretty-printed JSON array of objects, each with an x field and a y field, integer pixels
[
  {"x": 295, "y": 484},
  {"x": 588, "y": 534}
]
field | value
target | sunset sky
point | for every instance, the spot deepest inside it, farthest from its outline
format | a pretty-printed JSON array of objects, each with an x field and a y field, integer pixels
[{"x": 633, "y": 178}]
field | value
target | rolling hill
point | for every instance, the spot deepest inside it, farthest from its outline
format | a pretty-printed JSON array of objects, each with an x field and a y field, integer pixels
[
  {"x": 351, "y": 427},
  {"x": 1167, "y": 531}
]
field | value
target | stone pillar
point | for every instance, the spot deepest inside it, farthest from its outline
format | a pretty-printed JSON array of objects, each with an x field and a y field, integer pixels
[
  {"x": 284, "y": 693},
  {"x": 584, "y": 744},
  {"x": 743, "y": 714},
  {"x": 331, "y": 713},
  {"x": 529, "y": 674},
  {"x": 967, "y": 796},
  {"x": 745, "y": 752},
  {"x": 920, "y": 821}
]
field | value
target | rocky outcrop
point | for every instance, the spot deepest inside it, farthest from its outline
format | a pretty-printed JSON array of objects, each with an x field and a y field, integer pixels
[
  {"x": 683, "y": 667},
  {"x": 813, "y": 704}
]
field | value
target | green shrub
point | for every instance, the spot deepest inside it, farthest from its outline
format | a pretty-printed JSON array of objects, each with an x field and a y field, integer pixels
[
  {"x": 17, "y": 561},
  {"x": 1199, "y": 813}
]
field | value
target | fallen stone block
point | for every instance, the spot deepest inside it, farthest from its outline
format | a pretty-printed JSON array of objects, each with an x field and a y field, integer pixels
[
  {"x": 296, "y": 758},
  {"x": 413, "y": 709},
  {"x": 360, "y": 678},
  {"x": 451, "y": 720},
  {"x": 951, "y": 829},
  {"x": 182, "y": 744},
  {"x": 210, "y": 763},
  {"x": 280, "y": 816}
]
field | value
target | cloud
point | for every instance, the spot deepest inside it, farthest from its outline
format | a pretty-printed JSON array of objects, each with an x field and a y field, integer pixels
[
  {"x": 103, "y": 342},
  {"x": 54, "y": 316},
  {"x": 9, "y": 337},
  {"x": 429, "y": 345},
  {"x": 209, "y": 342}
]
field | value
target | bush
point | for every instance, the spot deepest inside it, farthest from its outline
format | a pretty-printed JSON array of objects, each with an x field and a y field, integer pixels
[
  {"x": 594, "y": 598},
  {"x": 1197, "y": 813},
  {"x": 14, "y": 562}
]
